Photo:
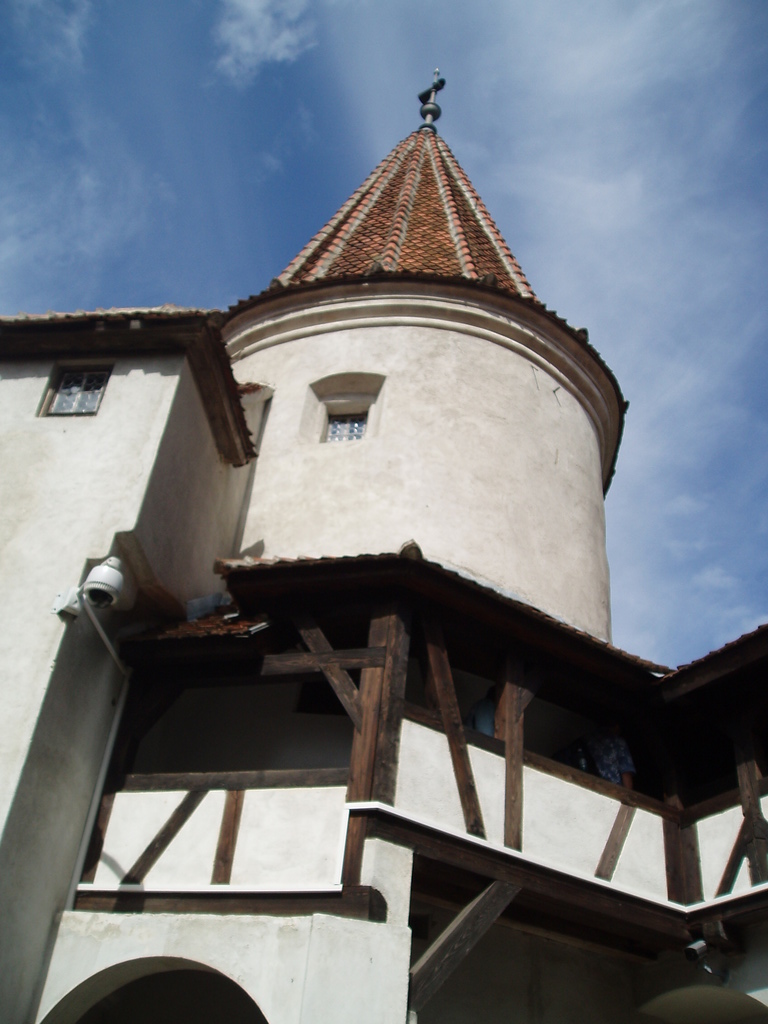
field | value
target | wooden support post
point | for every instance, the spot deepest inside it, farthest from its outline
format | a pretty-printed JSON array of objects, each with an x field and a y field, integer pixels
[
  {"x": 755, "y": 825},
  {"x": 683, "y": 863},
  {"x": 447, "y": 951},
  {"x": 339, "y": 678},
  {"x": 681, "y": 842},
  {"x": 681, "y": 850},
  {"x": 392, "y": 700},
  {"x": 441, "y": 679},
  {"x": 225, "y": 848},
  {"x": 514, "y": 697},
  {"x": 363, "y": 758}
]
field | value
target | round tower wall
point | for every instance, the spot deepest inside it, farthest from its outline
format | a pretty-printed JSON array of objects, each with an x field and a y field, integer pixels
[{"x": 487, "y": 441}]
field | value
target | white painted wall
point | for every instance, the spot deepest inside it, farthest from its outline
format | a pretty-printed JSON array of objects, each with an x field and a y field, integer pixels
[
  {"x": 388, "y": 868},
  {"x": 289, "y": 839},
  {"x": 717, "y": 835},
  {"x": 303, "y": 970},
  {"x": 190, "y": 514},
  {"x": 89, "y": 479},
  {"x": 492, "y": 437},
  {"x": 144, "y": 470},
  {"x": 564, "y": 825}
]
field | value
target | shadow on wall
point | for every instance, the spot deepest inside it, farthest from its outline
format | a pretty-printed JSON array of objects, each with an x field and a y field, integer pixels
[{"x": 156, "y": 991}]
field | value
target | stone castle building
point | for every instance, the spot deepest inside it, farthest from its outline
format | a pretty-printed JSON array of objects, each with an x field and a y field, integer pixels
[{"x": 238, "y": 783}]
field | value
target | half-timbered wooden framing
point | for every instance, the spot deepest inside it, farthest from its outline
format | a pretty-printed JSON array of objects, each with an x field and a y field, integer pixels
[{"x": 385, "y": 637}]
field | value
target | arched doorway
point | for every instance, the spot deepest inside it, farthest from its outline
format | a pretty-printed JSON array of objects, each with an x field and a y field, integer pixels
[{"x": 157, "y": 992}]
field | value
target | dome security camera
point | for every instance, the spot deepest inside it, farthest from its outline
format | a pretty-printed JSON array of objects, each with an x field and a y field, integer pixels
[{"x": 104, "y": 584}]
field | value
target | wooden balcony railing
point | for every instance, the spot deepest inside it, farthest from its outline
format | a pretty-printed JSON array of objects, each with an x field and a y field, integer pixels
[{"x": 279, "y": 832}]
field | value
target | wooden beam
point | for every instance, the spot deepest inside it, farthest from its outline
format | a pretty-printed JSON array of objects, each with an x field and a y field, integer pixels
[
  {"x": 442, "y": 681},
  {"x": 555, "y": 891},
  {"x": 615, "y": 844},
  {"x": 514, "y": 697},
  {"x": 363, "y": 756},
  {"x": 225, "y": 848},
  {"x": 683, "y": 863},
  {"x": 445, "y": 954},
  {"x": 746, "y": 769},
  {"x": 150, "y": 856},
  {"x": 755, "y": 825},
  {"x": 330, "y": 663},
  {"x": 681, "y": 839},
  {"x": 333, "y": 671},
  {"x": 296, "y": 662},
  {"x": 737, "y": 855},
  {"x": 275, "y": 778},
  {"x": 392, "y": 701}
]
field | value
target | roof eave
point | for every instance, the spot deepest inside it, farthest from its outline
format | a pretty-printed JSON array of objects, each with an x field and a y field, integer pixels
[{"x": 106, "y": 334}]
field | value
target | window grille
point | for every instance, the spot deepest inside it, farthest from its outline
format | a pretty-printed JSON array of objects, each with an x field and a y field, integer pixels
[
  {"x": 350, "y": 427},
  {"x": 79, "y": 392}
]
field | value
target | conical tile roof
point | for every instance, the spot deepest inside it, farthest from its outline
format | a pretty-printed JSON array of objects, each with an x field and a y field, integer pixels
[{"x": 416, "y": 214}]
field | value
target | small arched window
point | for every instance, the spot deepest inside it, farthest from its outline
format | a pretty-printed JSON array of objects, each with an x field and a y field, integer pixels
[{"x": 343, "y": 407}]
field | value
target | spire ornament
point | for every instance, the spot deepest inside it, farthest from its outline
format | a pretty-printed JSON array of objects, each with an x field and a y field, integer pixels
[{"x": 430, "y": 111}]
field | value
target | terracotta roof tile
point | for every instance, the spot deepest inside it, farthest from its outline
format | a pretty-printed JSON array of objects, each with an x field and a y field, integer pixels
[{"x": 416, "y": 213}]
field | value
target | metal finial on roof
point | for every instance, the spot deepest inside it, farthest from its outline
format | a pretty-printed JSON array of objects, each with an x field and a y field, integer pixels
[{"x": 430, "y": 111}]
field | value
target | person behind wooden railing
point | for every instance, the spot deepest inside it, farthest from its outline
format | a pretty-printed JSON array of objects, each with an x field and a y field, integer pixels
[
  {"x": 611, "y": 755},
  {"x": 604, "y": 752},
  {"x": 482, "y": 714}
]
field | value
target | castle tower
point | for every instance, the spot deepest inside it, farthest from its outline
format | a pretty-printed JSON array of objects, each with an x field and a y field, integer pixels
[
  {"x": 283, "y": 806},
  {"x": 484, "y": 427}
]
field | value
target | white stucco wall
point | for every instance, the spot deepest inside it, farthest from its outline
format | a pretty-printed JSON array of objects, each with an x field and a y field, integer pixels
[
  {"x": 191, "y": 512},
  {"x": 488, "y": 445},
  {"x": 74, "y": 489},
  {"x": 717, "y": 836},
  {"x": 564, "y": 825},
  {"x": 302, "y": 970},
  {"x": 289, "y": 839},
  {"x": 68, "y": 484}
]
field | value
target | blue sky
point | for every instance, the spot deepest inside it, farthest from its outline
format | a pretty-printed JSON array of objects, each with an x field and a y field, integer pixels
[{"x": 183, "y": 152}]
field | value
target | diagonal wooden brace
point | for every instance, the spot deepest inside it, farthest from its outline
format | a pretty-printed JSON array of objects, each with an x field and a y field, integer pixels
[
  {"x": 449, "y": 949},
  {"x": 339, "y": 678},
  {"x": 441, "y": 683}
]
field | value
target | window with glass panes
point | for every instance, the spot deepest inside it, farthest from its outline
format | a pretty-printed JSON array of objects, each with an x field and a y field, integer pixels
[
  {"x": 346, "y": 427},
  {"x": 78, "y": 393}
]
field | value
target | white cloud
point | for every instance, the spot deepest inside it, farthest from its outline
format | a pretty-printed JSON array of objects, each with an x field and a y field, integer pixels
[
  {"x": 251, "y": 33},
  {"x": 53, "y": 31}
]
